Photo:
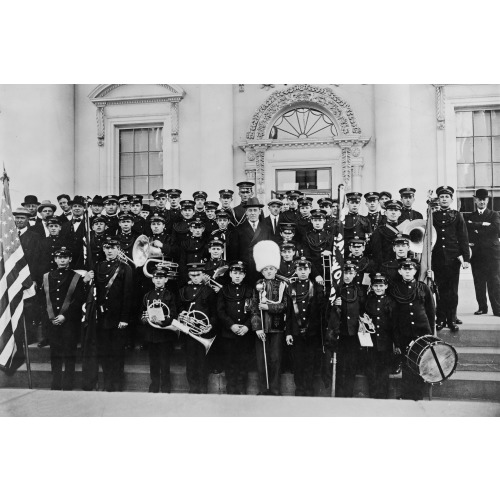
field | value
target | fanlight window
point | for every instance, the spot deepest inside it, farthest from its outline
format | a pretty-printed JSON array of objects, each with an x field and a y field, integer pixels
[{"x": 303, "y": 123}]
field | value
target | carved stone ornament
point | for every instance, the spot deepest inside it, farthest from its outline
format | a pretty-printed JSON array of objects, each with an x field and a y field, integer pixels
[
  {"x": 322, "y": 96},
  {"x": 241, "y": 87},
  {"x": 174, "y": 117},
  {"x": 440, "y": 101},
  {"x": 100, "y": 97},
  {"x": 356, "y": 151},
  {"x": 251, "y": 156},
  {"x": 267, "y": 86}
]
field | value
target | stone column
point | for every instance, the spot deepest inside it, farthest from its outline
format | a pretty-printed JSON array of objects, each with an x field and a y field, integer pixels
[{"x": 393, "y": 137}]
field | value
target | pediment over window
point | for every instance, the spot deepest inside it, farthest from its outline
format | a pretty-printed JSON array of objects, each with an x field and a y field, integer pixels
[{"x": 110, "y": 94}]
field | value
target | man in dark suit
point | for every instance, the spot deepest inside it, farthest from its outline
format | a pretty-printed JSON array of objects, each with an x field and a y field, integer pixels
[
  {"x": 30, "y": 242},
  {"x": 31, "y": 203},
  {"x": 75, "y": 230},
  {"x": 246, "y": 235},
  {"x": 272, "y": 220},
  {"x": 483, "y": 226},
  {"x": 63, "y": 201},
  {"x": 46, "y": 210}
]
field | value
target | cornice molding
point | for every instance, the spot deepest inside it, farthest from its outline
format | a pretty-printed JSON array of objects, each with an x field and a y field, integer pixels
[{"x": 99, "y": 98}]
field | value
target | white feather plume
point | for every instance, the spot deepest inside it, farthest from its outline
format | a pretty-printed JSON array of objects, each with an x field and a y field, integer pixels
[{"x": 266, "y": 253}]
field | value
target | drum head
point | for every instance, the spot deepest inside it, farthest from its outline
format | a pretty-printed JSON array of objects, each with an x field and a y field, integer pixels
[{"x": 447, "y": 358}]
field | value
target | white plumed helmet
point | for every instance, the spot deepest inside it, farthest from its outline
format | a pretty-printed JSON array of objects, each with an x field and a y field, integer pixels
[{"x": 266, "y": 253}]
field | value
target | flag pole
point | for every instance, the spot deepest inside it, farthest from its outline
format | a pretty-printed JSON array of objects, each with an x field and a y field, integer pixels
[{"x": 27, "y": 353}]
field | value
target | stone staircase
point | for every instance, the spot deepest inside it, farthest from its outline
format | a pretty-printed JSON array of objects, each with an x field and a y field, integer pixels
[{"x": 477, "y": 377}]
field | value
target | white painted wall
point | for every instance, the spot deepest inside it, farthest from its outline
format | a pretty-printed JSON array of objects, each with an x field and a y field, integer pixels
[{"x": 37, "y": 139}]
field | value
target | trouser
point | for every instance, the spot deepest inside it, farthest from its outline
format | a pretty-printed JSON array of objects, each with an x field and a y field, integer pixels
[
  {"x": 347, "y": 364},
  {"x": 196, "y": 366},
  {"x": 412, "y": 385},
  {"x": 486, "y": 274},
  {"x": 447, "y": 278},
  {"x": 63, "y": 342},
  {"x": 378, "y": 366},
  {"x": 304, "y": 352},
  {"x": 274, "y": 351},
  {"x": 159, "y": 365},
  {"x": 235, "y": 356},
  {"x": 215, "y": 354},
  {"x": 110, "y": 353}
]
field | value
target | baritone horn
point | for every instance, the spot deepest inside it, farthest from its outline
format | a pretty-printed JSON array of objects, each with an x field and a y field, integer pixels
[
  {"x": 144, "y": 253},
  {"x": 194, "y": 323}
]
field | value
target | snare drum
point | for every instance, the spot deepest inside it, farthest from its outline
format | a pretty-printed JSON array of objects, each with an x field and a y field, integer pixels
[{"x": 431, "y": 358}]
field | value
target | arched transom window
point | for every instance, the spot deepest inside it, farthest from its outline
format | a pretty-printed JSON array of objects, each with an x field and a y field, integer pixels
[{"x": 303, "y": 123}]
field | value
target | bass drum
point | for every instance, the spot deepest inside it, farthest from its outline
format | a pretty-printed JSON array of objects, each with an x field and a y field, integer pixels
[{"x": 432, "y": 358}]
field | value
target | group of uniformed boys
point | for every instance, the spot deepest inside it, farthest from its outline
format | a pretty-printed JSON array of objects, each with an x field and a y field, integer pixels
[{"x": 263, "y": 284}]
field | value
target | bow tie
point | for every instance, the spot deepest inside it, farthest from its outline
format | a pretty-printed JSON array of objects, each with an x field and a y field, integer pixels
[{"x": 76, "y": 220}]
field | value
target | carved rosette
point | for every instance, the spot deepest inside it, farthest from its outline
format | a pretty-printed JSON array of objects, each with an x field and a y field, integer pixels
[
  {"x": 174, "y": 117},
  {"x": 322, "y": 96},
  {"x": 440, "y": 100},
  {"x": 100, "y": 125}
]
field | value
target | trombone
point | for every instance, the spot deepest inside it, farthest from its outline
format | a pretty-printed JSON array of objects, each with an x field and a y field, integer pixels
[{"x": 327, "y": 269}]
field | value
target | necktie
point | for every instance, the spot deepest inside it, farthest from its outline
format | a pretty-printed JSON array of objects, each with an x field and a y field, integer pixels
[
  {"x": 19, "y": 232},
  {"x": 254, "y": 225},
  {"x": 274, "y": 224}
]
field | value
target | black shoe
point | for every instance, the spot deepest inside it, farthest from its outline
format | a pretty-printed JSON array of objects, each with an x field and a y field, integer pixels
[
  {"x": 43, "y": 343},
  {"x": 439, "y": 326},
  {"x": 458, "y": 321},
  {"x": 481, "y": 311},
  {"x": 454, "y": 327},
  {"x": 154, "y": 387}
]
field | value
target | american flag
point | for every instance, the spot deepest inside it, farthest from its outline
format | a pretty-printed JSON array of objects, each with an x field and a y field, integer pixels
[{"x": 15, "y": 283}]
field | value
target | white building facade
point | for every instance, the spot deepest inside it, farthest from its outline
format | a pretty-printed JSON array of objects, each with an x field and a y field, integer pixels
[{"x": 111, "y": 139}]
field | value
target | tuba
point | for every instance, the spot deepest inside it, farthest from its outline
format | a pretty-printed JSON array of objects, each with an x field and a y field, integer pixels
[
  {"x": 194, "y": 323},
  {"x": 416, "y": 231},
  {"x": 143, "y": 253}
]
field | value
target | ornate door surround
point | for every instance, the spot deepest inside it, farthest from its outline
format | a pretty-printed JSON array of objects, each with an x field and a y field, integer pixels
[{"x": 350, "y": 139}]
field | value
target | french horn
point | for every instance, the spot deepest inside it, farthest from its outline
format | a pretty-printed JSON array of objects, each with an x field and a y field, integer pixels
[{"x": 153, "y": 312}]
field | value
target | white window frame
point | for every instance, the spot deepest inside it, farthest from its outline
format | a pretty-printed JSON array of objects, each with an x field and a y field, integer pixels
[{"x": 113, "y": 127}]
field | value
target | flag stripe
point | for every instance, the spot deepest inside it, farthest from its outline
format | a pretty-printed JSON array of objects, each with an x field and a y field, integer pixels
[{"x": 15, "y": 281}]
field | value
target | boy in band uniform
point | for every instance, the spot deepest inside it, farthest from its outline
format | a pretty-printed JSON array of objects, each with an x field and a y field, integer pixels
[
  {"x": 352, "y": 305},
  {"x": 114, "y": 287},
  {"x": 304, "y": 326},
  {"x": 287, "y": 262},
  {"x": 233, "y": 307},
  {"x": 199, "y": 297},
  {"x": 160, "y": 341},
  {"x": 64, "y": 295},
  {"x": 355, "y": 224},
  {"x": 383, "y": 237},
  {"x": 379, "y": 359},
  {"x": 365, "y": 266},
  {"x": 407, "y": 195},
  {"x": 273, "y": 304},
  {"x": 414, "y": 317}
]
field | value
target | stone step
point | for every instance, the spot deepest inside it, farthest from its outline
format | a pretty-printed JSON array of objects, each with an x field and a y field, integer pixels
[
  {"x": 486, "y": 359},
  {"x": 476, "y": 335},
  {"x": 463, "y": 385}
]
